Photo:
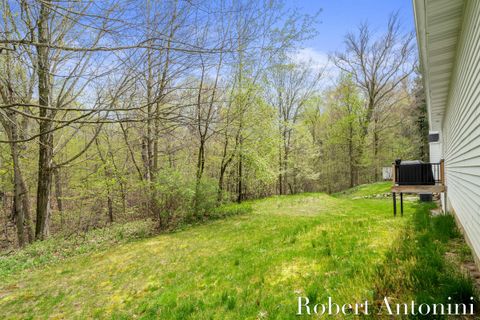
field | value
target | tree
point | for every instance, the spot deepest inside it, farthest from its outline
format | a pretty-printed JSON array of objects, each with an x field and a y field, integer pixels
[
  {"x": 290, "y": 86},
  {"x": 346, "y": 112},
  {"x": 16, "y": 84},
  {"x": 420, "y": 111},
  {"x": 378, "y": 65}
]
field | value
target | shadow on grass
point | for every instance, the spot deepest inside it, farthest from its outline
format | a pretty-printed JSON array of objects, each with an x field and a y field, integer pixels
[{"x": 417, "y": 268}]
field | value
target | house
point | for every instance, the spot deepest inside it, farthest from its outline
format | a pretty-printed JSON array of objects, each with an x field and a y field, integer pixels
[{"x": 448, "y": 35}]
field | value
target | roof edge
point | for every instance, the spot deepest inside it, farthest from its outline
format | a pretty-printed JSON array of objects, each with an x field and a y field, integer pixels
[{"x": 419, "y": 12}]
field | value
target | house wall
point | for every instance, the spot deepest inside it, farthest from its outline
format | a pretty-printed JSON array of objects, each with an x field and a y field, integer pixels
[
  {"x": 461, "y": 129},
  {"x": 436, "y": 153}
]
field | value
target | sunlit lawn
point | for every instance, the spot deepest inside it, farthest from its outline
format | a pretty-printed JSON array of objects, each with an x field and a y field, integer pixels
[{"x": 243, "y": 267}]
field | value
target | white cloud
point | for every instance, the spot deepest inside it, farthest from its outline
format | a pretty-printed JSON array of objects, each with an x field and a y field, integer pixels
[{"x": 317, "y": 60}]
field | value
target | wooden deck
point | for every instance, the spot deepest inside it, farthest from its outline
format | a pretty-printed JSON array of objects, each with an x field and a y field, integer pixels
[
  {"x": 438, "y": 187},
  {"x": 419, "y": 189}
]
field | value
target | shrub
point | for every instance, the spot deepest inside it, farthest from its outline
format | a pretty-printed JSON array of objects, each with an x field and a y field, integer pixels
[
  {"x": 205, "y": 199},
  {"x": 182, "y": 196},
  {"x": 175, "y": 193}
]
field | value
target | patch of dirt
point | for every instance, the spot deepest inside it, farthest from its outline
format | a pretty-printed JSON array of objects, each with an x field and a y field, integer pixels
[
  {"x": 406, "y": 197},
  {"x": 472, "y": 270},
  {"x": 466, "y": 265},
  {"x": 7, "y": 290},
  {"x": 436, "y": 212}
]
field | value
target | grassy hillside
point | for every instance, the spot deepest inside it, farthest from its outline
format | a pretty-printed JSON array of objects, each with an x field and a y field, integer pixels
[
  {"x": 367, "y": 190},
  {"x": 244, "y": 267}
]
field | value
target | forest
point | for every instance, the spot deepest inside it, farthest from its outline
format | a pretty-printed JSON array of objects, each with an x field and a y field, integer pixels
[{"x": 168, "y": 111}]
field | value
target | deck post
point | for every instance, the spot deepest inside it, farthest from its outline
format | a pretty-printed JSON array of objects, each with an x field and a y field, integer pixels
[
  {"x": 394, "y": 173},
  {"x": 394, "y": 178},
  {"x": 394, "y": 204},
  {"x": 442, "y": 182},
  {"x": 401, "y": 203},
  {"x": 442, "y": 172},
  {"x": 444, "y": 201}
]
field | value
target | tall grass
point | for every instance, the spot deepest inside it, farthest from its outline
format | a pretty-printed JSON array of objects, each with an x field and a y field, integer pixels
[{"x": 417, "y": 266}]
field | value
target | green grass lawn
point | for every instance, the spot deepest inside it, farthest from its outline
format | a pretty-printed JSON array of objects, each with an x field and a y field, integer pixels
[
  {"x": 367, "y": 190},
  {"x": 244, "y": 267}
]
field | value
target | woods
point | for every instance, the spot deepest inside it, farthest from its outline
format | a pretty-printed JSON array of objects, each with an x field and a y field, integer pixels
[{"x": 168, "y": 110}]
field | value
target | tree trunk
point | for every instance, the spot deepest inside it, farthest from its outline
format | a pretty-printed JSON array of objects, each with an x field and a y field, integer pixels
[
  {"x": 285, "y": 168},
  {"x": 240, "y": 171},
  {"x": 21, "y": 201},
  {"x": 146, "y": 176},
  {"x": 124, "y": 198},
  {"x": 110, "y": 207},
  {"x": 45, "y": 150},
  {"x": 240, "y": 179},
  {"x": 350, "y": 155},
  {"x": 199, "y": 175},
  {"x": 280, "y": 176},
  {"x": 220, "y": 184},
  {"x": 44, "y": 185},
  {"x": 25, "y": 199},
  {"x": 201, "y": 160},
  {"x": 17, "y": 208},
  {"x": 58, "y": 190},
  {"x": 375, "y": 154},
  {"x": 12, "y": 128},
  {"x": 223, "y": 168}
]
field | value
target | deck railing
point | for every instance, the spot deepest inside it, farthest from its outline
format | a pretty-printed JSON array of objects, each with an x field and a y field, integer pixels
[
  {"x": 417, "y": 177},
  {"x": 427, "y": 173}
]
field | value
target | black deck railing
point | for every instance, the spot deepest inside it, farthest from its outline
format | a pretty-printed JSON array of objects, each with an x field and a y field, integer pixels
[
  {"x": 417, "y": 177},
  {"x": 414, "y": 173}
]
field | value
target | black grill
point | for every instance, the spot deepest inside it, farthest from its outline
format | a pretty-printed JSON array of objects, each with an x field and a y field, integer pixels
[{"x": 415, "y": 173}]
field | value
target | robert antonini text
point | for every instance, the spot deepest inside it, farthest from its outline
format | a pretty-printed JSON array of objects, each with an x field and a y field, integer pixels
[{"x": 387, "y": 307}]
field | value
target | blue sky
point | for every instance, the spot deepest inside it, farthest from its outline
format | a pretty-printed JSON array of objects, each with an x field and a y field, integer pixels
[{"x": 341, "y": 16}]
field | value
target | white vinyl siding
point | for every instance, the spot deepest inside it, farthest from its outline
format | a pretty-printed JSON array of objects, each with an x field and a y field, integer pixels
[
  {"x": 461, "y": 128},
  {"x": 435, "y": 151}
]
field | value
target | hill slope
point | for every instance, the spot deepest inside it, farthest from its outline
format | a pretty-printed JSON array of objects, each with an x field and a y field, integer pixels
[{"x": 249, "y": 266}]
